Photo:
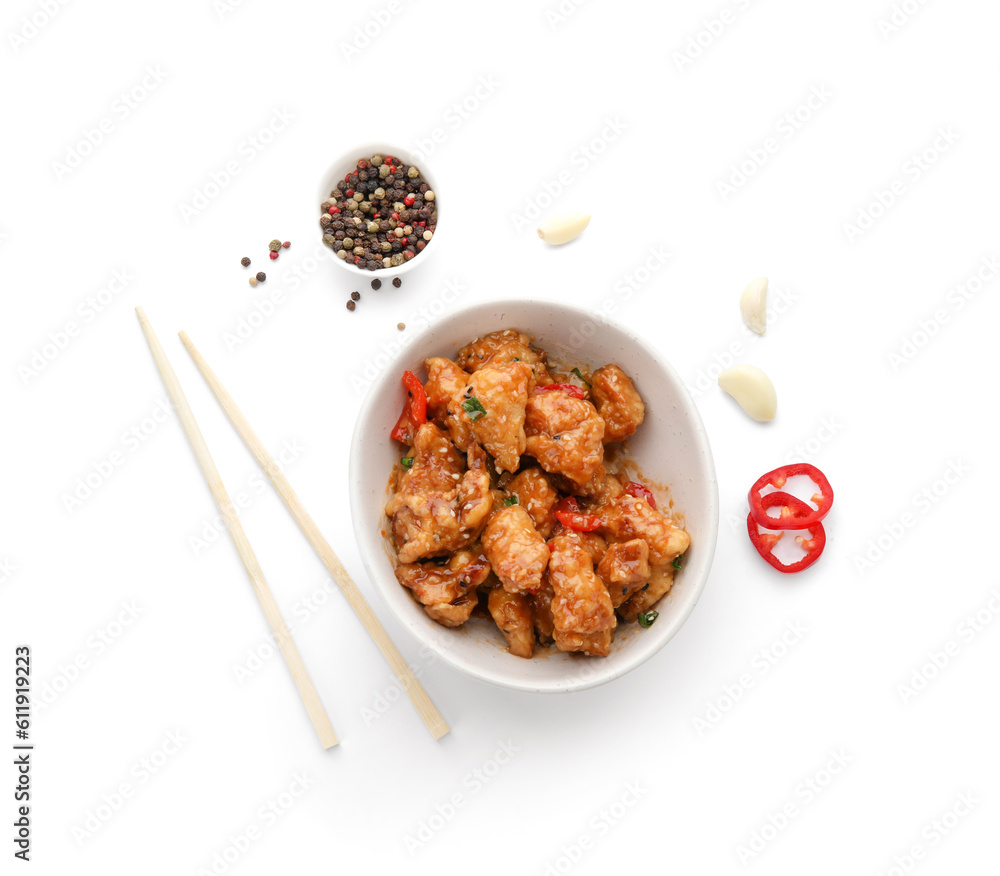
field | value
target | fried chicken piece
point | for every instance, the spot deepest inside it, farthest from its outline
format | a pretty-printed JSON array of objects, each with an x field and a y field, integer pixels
[
  {"x": 582, "y": 614},
  {"x": 629, "y": 517},
  {"x": 447, "y": 592},
  {"x": 624, "y": 569},
  {"x": 439, "y": 507},
  {"x": 602, "y": 487},
  {"x": 536, "y": 495},
  {"x": 564, "y": 434},
  {"x": 500, "y": 347},
  {"x": 660, "y": 581},
  {"x": 592, "y": 542},
  {"x": 512, "y": 613},
  {"x": 617, "y": 402},
  {"x": 454, "y": 614},
  {"x": 592, "y": 644},
  {"x": 541, "y": 611},
  {"x": 501, "y": 392},
  {"x": 444, "y": 380},
  {"x": 475, "y": 498},
  {"x": 517, "y": 553}
]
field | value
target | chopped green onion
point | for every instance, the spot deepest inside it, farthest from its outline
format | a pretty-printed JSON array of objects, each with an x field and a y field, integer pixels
[
  {"x": 576, "y": 371},
  {"x": 406, "y": 462},
  {"x": 646, "y": 618},
  {"x": 474, "y": 408},
  {"x": 510, "y": 500},
  {"x": 677, "y": 563}
]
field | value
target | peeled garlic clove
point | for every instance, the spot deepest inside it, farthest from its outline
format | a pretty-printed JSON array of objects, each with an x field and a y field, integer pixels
[
  {"x": 563, "y": 228},
  {"x": 753, "y": 389},
  {"x": 753, "y": 305}
]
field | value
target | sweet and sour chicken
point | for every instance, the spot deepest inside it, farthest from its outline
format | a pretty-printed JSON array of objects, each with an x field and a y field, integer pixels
[{"x": 506, "y": 507}]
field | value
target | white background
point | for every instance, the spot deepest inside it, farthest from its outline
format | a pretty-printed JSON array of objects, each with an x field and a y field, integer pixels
[{"x": 884, "y": 430}]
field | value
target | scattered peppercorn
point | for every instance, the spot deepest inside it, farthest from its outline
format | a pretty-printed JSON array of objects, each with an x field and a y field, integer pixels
[
  {"x": 351, "y": 305},
  {"x": 376, "y": 284},
  {"x": 274, "y": 254},
  {"x": 287, "y": 244},
  {"x": 244, "y": 261},
  {"x": 261, "y": 276},
  {"x": 274, "y": 245},
  {"x": 356, "y": 296},
  {"x": 401, "y": 325},
  {"x": 397, "y": 282},
  {"x": 253, "y": 281}
]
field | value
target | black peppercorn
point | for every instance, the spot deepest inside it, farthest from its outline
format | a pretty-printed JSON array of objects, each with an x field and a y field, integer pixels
[
  {"x": 261, "y": 276},
  {"x": 244, "y": 261},
  {"x": 376, "y": 284},
  {"x": 356, "y": 296},
  {"x": 397, "y": 282},
  {"x": 351, "y": 305}
]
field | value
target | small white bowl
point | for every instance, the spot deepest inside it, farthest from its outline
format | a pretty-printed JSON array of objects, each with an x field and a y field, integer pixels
[
  {"x": 671, "y": 448},
  {"x": 347, "y": 163}
]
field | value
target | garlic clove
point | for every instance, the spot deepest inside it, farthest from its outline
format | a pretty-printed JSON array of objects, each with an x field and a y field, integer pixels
[
  {"x": 563, "y": 228},
  {"x": 752, "y": 389},
  {"x": 753, "y": 305}
]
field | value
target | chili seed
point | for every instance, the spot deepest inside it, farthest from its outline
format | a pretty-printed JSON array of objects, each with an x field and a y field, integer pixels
[{"x": 244, "y": 261}]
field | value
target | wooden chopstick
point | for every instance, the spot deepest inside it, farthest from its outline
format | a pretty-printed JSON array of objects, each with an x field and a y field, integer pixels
[
  {"x": 310, "y": 698},
  {"x": 426, "y": 709}
]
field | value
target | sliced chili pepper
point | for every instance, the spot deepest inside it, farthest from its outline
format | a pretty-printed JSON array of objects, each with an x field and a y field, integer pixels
[
  {"x": 569, "y": 388},
  {"x": 568, "y": 513},
  {"x": 414, "y": 413},
  {"x": 777, "y": 478},
  {"x": 793, "y": 510},
  {"x": 641, "y": 492}
]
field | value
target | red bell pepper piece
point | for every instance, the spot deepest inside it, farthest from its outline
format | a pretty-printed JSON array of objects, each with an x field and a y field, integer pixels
[
  {"x": 414, "y": 413},
  {"x": 777, "y": 478},
  {"x": 568, "y": 513},
  {"x": 641, "y": 492},
  {"x": 793, "y": 512},
  {"x": 569, "y": 388}
]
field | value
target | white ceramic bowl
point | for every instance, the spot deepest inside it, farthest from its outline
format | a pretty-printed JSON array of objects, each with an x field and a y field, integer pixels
[
  {"x": 346, "y": 163},
  {"x": 671, "y": 448}
]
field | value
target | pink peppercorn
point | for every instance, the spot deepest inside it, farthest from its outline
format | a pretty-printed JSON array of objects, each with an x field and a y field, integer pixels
[
  {"x": 287, "y": 244},
  {"x": 274, "y": 254},
  {"x": 408, "y": 200}
]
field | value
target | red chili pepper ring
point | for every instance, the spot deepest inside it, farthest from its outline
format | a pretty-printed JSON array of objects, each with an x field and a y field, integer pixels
[
  {"x": 793, "y": 512},
  {"x": 777, "y": 478}
]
